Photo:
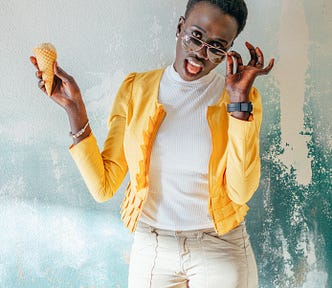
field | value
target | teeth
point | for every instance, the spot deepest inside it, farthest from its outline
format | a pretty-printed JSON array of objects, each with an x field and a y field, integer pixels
[{"x": 193, "y": 63}]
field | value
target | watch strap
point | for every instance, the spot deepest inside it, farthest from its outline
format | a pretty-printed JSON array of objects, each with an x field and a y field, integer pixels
[{"x": 239, "y": 107}]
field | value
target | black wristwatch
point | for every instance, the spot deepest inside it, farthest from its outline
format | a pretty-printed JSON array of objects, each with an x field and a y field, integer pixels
[{"x": 239, "y": 107}]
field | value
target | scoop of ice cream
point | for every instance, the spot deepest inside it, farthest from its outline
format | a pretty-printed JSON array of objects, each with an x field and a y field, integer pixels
[{"x": 46, "y": 56}]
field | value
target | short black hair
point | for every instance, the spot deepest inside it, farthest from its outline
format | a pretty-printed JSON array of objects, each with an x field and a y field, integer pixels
[{"x": 236, "y": 8}]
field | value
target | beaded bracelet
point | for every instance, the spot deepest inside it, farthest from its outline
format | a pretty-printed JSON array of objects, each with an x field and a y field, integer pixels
[{"x": 79, "y": 133}]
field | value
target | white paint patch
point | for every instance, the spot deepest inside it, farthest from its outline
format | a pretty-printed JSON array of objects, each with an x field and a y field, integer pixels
[
  {"x": 291, "y": 74},
  {"x": 315, "y": 276},
  {"x": 101, "y": 96},
  {"x": 99, "y": 99},
  {"x": 14, "y": 187},
  {"x": 154, "y": 47},
  {"x": 42, "y": 243},
  {"x": 316, "y": 279},
  {"x": 287, "y": 258},
  {"x": 309, "y": 274},
  {"x": 19, "y": 132},
  {"x": 57, "y": 169}
]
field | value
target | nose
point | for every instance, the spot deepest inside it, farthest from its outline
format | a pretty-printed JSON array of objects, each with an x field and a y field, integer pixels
[{"x": 202, "y": 52}]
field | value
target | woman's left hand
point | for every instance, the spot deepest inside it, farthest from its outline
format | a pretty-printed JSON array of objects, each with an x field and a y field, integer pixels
[{"x": 240, "y": 81}]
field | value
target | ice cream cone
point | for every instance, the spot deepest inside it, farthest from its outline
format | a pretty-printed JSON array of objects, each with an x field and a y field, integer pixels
[{"x": 46, "y": 56}]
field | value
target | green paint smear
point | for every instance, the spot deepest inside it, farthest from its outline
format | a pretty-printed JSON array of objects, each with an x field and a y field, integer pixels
[{"x": 290, "y": 224}]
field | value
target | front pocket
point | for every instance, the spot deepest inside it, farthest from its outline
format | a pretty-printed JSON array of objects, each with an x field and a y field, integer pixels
[{"x": 236, "y": 238}]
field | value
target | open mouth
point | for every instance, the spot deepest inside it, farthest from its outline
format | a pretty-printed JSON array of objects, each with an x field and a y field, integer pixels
[{"x": 192, "y": 66}]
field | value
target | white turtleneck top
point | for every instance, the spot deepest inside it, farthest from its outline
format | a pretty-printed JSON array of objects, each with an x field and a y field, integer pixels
[{"x": 178, "y": 175}]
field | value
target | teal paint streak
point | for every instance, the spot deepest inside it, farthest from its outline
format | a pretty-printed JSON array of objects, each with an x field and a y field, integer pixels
[
  {"x": 319, "y": 194},
  {"x": 290, "y": 223}
]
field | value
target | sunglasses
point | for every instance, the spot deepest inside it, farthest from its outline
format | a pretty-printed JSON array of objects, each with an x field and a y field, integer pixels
[{"x": 191, "y": 43}]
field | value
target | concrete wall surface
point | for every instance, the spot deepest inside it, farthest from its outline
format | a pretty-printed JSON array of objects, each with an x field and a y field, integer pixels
[{"x": 53, "y": 234}]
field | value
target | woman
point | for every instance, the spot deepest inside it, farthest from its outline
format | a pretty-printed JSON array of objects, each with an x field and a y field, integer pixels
[{"x": 190, "y": 141}]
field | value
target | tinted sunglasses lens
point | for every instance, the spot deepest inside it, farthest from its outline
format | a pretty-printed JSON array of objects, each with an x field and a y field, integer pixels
[
  {"x": 216, "y": 55},
  {"x": 191, "y": 43}
]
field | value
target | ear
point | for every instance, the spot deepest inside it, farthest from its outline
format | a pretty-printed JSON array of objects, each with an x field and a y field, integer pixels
[{"x": 180, "y": 26}]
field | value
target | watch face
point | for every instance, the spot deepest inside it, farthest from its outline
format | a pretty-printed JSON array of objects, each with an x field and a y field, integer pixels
[{"x": 246, "y": 107}]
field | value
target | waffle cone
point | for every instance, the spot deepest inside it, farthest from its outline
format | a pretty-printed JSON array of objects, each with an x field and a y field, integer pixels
[{"x": 46, "y": 56}]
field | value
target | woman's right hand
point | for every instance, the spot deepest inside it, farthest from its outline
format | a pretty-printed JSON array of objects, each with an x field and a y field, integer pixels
[
  {"x": 65, "y": 91},
  {"x": 67, "y": 94}
]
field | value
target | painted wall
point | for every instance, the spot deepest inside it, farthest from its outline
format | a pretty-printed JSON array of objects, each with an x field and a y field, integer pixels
[{"x": 52, "y": 233}]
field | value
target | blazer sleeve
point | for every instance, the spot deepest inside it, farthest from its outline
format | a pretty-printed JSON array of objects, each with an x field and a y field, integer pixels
[
  {"x": 243, "y": 159},
  {"x": 103, "y": 172}
]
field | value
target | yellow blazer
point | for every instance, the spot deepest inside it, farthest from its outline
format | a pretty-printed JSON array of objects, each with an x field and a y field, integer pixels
[{"x": 234, "y": 166}]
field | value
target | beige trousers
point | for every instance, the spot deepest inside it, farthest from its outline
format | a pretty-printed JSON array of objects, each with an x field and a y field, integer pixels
[{"x": 195, "y": 259}]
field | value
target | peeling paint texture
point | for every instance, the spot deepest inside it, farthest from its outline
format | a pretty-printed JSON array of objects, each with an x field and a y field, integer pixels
[{"x": 52, "y": 233}]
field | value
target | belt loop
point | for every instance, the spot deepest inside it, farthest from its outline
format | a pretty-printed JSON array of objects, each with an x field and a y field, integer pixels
[
  {"x": 152, "y": 229},
  {"x": 200, "y": 235}
]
